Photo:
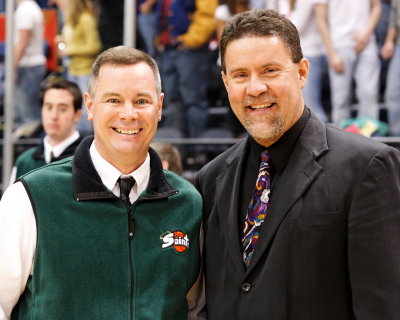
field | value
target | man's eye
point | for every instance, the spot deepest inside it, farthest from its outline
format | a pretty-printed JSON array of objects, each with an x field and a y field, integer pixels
[
  {"x": 240, "y": 75},
  {"x": 112, "y": 100},
  {"x": 142, "y": 101}
]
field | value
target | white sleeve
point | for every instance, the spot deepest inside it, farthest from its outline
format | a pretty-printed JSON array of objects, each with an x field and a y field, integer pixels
[
  {"x": 13, "y": 175},
  {"x": 222, "y": 13},
  {"x": 320, "y": 1},
  {"x": 23, "y": 18},
  {"x": 302, "y": 14},
  {"x": 17, "y": 246}
]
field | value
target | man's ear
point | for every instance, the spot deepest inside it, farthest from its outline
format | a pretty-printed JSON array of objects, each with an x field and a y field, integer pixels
[
  {"x": 78, "y": 115},
  {"x": 89, "y": 105},
  {"x": 160, "y": 105},
  {"x": 304, "y": 66},
  {"x": 224, "y": 79}
]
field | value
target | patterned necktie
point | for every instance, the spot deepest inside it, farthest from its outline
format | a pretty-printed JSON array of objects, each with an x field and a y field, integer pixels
[
  {"x": 125, "y": 186},
  {"x": 257, "y": 210}
]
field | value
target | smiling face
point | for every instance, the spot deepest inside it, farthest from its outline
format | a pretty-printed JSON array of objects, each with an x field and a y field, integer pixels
[
  {"x": 58, "y": 115},
  {"x": 264, "y": 86},
  {"x": 125, "y": 109}
]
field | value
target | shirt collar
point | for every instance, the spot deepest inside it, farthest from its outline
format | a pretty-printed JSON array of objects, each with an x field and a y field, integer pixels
[
  {"x": 109, "y": 174},
  {"x": 59, "y": 148},
  {"x": 280, "y": 151}
]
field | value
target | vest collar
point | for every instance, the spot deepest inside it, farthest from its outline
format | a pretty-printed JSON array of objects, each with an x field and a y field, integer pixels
[{"x": 88, "y": 184}]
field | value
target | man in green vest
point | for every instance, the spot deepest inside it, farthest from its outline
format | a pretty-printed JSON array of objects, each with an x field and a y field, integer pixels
[
  {"x": 107, "y": 234},
  {"x": 61, "y": 110}
]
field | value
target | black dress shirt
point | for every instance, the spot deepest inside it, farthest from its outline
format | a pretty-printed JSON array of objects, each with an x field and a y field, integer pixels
[{"x": 279, "y": 156}]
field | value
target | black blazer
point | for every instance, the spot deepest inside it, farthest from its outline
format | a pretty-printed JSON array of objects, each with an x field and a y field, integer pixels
[{"x": 330, "y": 245}]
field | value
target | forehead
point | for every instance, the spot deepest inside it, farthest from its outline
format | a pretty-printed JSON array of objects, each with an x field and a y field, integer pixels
[
  {"x": 251, "y": 50},
  {"x": 61, "y": 95},
  {"x": 120, "y": 76}
]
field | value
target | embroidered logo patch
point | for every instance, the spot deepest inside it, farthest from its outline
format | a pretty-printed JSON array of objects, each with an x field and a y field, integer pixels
[{"x": 176, "y": 239}]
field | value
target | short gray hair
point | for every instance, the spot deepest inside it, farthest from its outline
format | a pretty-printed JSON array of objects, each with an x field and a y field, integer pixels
[{"x": 122, "y": 55}]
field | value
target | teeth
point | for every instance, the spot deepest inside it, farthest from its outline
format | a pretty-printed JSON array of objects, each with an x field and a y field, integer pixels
[
  {"x": 262, "y": 106},
  {"x": 125, "y": 131}
]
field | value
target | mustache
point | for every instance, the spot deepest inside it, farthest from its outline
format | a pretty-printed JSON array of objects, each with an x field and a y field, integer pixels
[{"x": 261, "y": 99}]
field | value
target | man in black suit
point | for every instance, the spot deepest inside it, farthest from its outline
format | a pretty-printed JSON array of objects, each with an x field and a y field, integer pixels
[{"x": 329, "y": 245}]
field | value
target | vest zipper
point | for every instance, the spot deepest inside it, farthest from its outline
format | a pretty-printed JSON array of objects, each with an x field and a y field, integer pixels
[
  {"x": 131, "y": 222},
  {"x": 131, "y": 233}
]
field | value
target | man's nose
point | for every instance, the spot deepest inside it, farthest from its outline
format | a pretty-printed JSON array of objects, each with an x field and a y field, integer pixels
[
  {"x": 54, "y": 113},
  {"x": 129, "y": 112},
  {"x": 256, "y": 86}
]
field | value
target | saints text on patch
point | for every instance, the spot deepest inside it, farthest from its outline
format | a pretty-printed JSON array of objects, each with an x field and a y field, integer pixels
[{"x": 175, "y": 239}]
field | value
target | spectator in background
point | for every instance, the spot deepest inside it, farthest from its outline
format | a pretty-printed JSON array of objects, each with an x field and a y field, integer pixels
[
  {"x": 185, "y": 28},
  {"x": 80, "y": 44},
  {"x": 347, "y": 29},
  {"x": 225, "y": 10},
  {"x": 111, "y": 21},
  {"x": 147, "y": 24},
  {"x": 380, "y": 34},
  {"x": 45, "y": 3},
  {"x": 29, "y": 62},
  {"x": 303, "y": 17},
  {"x": 170, "y": 156},
  {"x": 61, "y": 110},
  {"x": 391, "y": 49}
]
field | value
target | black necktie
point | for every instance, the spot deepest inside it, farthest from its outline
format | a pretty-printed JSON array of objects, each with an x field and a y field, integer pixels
[
  {"x": 125, "y": 186},
  {"x": 52, "y": 157}
]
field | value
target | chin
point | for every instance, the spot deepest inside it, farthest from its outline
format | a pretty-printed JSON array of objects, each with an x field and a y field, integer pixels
[{"x": 266, "y": 132}]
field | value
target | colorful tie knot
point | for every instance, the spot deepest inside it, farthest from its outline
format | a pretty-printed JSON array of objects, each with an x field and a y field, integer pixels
[{"x": 265, "y": 156}]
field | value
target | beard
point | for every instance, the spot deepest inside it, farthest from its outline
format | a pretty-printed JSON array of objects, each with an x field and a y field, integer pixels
[{"x": 264, "y": 130}]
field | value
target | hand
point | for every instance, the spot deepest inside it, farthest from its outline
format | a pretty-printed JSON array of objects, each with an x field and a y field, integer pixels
[
  {"x": 387, "y": 50},
  {"x": 361, "y": 38},
  {"x": 58, "y": 39},
  {"x": 145, "y": 7},
  {"x": 336, "y": 63}
]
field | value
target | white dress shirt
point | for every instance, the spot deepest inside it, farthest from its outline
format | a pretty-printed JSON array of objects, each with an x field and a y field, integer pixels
[
  {"x": 109, "y": 174},
  {"x": 58, "y": 149},
  {"x": 18, "y": 229}
]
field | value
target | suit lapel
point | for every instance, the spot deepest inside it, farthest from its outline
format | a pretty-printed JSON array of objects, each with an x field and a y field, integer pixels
[
  {"x": 300, "y": 172},
  {"x": 228, "y": 186}
]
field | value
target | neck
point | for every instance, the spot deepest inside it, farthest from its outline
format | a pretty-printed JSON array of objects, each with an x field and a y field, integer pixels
[
  {"x": 127, "y": 168},
  {"x": 53, "y": 141}
]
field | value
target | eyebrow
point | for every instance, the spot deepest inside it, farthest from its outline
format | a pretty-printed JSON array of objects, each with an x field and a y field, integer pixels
[
  {"x": 273, "y": 63},
  {"x": 110, "y": 94},
  {"x": 63, "y": 104},
  {"x": 115, "y": 94}
]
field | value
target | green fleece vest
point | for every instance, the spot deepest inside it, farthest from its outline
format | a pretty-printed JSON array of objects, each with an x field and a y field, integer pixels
[
  {"x": 25, "y": 162},
  {"x": 85, "y": 265}
]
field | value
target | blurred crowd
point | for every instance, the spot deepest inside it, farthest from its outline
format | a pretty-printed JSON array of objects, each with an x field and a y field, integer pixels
[{"x": 353, "y": 48}]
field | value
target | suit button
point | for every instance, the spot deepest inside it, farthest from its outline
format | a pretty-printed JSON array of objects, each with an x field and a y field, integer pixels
[{"x": 245, "y": 287}]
